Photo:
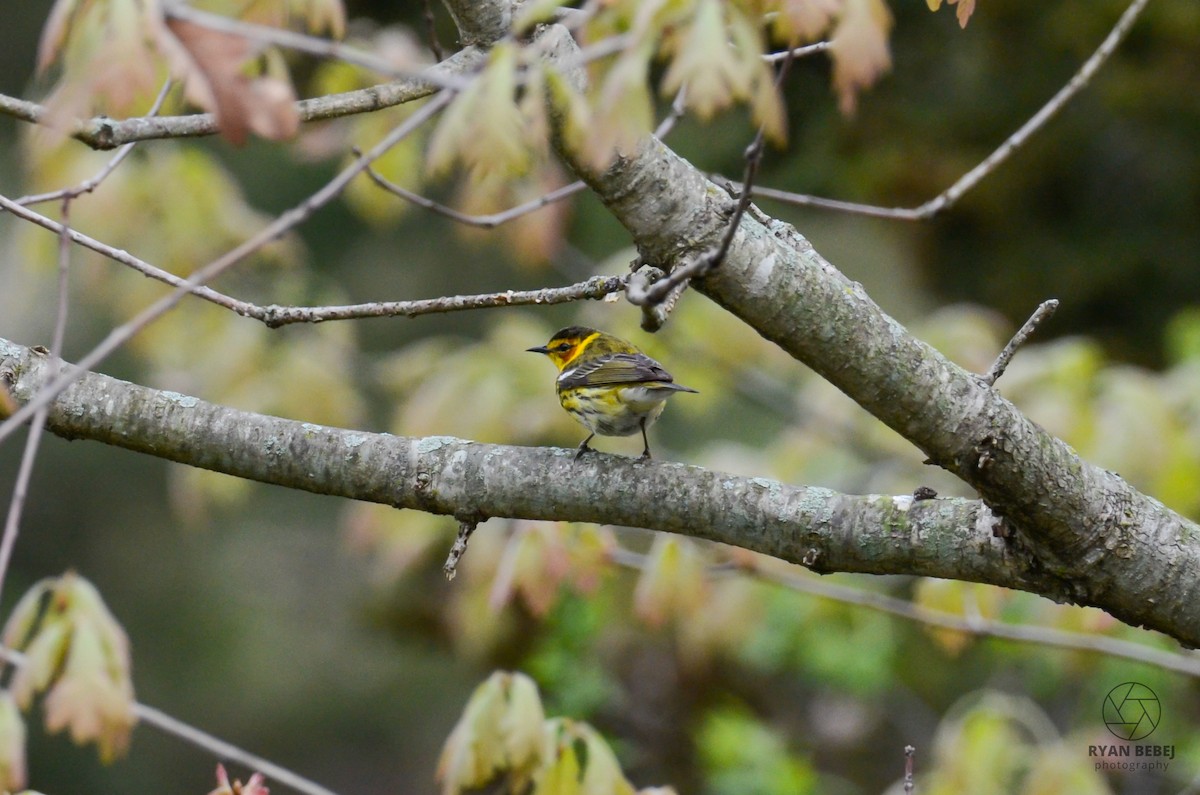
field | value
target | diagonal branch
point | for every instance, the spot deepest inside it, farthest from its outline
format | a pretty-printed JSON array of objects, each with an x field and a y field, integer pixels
[
  {"x": 947, "y": 198},
  {"x": 1113, "y": 547},
  {"x": 975, "y": 625},
  {"x": 222, "y": 749}
]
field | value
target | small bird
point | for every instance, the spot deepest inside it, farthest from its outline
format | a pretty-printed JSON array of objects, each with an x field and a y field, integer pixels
[{"x": 607, "y": 384}]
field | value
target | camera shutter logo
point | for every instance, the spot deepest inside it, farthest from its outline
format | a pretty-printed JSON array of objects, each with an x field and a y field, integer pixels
[{"x": 1131, "y": 711}]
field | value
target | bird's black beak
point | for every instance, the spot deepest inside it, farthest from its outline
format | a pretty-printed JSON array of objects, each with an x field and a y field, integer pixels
[{"x": 539, "y": 349}]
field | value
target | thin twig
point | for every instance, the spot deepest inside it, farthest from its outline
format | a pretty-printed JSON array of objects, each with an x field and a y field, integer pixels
[
  {"x": 982, "y": 627},
  {"x": 977, "y": 625},
  {"x": 678, "y": 107},
  {"x": 593, "y": 288},
  {"x": 123, "y": 257},
  {"x": 104, "y": 133},
  {"x": 1044, "y": 312},
  {"x": 167, "y": 724},
  {"x": 653, "y": 297},
  {"x": 435, "y": 46},
  {"x": 298, "y": 214},
  {"x": 228, "y": 751},
  {"x": 454, "y": 73},
  {"x": 274, "y": 315},
  {"x": 969, "y": 180},
  {"x": 89, "y": 185},
  {"x": 465, "y": 528},
  {"x": 797, "y": 52},
  {"x": 12, "y": 522},
  {"x": 909, "y": 751},
  {"x": 490, "y": 221}
]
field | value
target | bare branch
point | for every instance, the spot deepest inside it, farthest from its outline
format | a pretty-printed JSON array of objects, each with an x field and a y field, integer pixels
[
  {"x": 1044, "y": 312},
  {"x": 797, "y": 52},
  {"x": 123, "y": 333},
  {"x": 659, "y": 298},
  {"x": 454, "y": 73},
  {"x": 823, "y": 530},
  {"x": 966, "y": 182},
  {"x": 12, "y": 522},
  {"x": 274, "y": 315},
  {"x": 983, "y": 627},
  {"x": 124, "y": 257},
  {"x": 223, "y": 749},
  {"x": 909, "y": 752},
  {"x": 104, "y": 133},
  {"x": 89, "y": 185},
  {"x": 678, "y": 107},
  {"x": 593, "y": 288},
  {"x": 22, "y": 109},
  {"x": 976, "y": 625},
  {"x": 490, "y": 221},
  {"x": 435, "y": 46},
  {"x": 775, "y": 281}
]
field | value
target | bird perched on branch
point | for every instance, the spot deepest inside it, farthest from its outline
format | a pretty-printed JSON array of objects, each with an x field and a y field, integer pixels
[{"x": 607, "y": 384}]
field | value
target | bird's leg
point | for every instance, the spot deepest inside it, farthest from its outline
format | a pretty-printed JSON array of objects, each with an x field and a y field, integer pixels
[
  {"x": 583, "y": 447},
  {"x": 645, "y": 456}
]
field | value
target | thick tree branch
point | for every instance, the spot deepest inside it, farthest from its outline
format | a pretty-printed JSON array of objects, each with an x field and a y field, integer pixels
[
  {"x": 818, "y": 528},
  {"x": 1115, "y": 548}
]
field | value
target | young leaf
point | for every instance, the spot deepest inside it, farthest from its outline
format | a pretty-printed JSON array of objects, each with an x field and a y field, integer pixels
[
  {"x": 602, "y": 773},
  {"x": 12, "y": 744},
  {"x": 255, "y": 786},
  {"x": 804, "y": 20},
  {"x": 534, "y": 564},
  {"x": 107, "y": 58},
  {"x": 500, "y": 730},
  {"x": 483, "y": 128},
  {"x": 57, "y": 29},
  {"x": 211, "y": 64},
  {"x": 90, "y": 702},
  {"x": 474, "y": 752},
  {"x": 860, "y": 49},
  {"x": 80, "y": 654},
  {"x": 672, "y": 583},
  {"x": 705, "y": 62},
  {"x": 26, "y": 614}
]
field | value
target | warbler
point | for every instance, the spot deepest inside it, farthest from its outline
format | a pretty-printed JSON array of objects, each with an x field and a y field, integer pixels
[{"x": 607, "y": 384}]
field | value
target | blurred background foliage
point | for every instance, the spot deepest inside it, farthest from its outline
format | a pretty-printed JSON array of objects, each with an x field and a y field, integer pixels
[{"x": 323, "y": 635}]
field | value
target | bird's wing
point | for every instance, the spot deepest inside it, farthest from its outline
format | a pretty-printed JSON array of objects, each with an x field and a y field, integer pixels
[{"x": 614, "y": 369}]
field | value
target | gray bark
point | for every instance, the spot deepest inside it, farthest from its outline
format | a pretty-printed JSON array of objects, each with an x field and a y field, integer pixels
[
  {"x": 1102, "y": 542},
  {"x": 819, "y": 528}
]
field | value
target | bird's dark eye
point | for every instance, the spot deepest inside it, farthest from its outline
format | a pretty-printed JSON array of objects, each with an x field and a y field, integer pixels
[{"x": 563, "y": 346}]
